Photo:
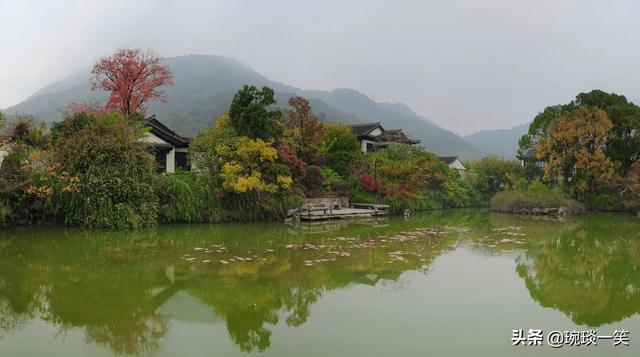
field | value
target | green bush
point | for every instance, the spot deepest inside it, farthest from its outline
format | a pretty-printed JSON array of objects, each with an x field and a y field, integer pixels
[
  {"x": 362, "y": 196},
  {"x": 521, "y": 184},
  {"x": 106, "y": 199},
  {"x": 493, "y": 174},
  {"x": 190, "y": 197},
  {"x": 537, "y": 187},
  {"x": 459, "y": 193},
  {"x": 96, "y": 174},
  {"x": 186, "y": 197},
  {"x": 263, "y": 206},
  {"x": 610, "y": 202}
]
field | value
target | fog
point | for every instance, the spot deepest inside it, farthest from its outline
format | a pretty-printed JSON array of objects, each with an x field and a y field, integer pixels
[{"x": 466, "y": 65}]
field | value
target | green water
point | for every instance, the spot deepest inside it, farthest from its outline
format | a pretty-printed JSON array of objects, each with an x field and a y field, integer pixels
[{"x": 438, "y": 284}]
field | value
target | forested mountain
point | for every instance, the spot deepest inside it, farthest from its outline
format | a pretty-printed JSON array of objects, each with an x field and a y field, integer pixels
[
  {"x": 204, "y": 86},
  {"x": 502, "y": 142}
]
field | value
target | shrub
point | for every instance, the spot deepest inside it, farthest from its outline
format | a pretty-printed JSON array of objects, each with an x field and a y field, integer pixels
[
  {"x": 114, "y": 170},
  {"x": 516, "y": 201},
  {"x": 342, "y": 148},
  {"x": 263, "y": 206},
  {"x": 210, "y": 150},
  {"x": 610, "y": 202},
  {"x": 22, "y": 129},
  {"x": 107, "y": 199},
  {"x": 314, "y": 180},
  {"x": 521, "y": 184},
  {"x": 334, "y": 183},
  {"x": 493, "y": 174},
  {"x": 102, "y": 140},
  {"x": 538, "y": 187},
  {"x": 297, "y": 167},
  {"x": 371, "y": 185},
  {"x": 362, "y": 196},
  {"x": 187, "y": 197}
]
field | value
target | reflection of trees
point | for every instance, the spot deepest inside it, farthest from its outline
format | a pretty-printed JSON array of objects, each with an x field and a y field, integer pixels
[
  {"x": 591, "y": 273},
  {"x": 284, "y": 288},
  {"x": 10, "y": 320},
  {"x": 140, "y": 338},
  {"x": 73, "y": 287},
  {"x": 299, "y": 303},
  {"x": 112, "y": 285}
]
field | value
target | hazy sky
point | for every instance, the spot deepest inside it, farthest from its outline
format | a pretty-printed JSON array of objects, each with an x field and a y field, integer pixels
[{"x": 466, "y": 65}]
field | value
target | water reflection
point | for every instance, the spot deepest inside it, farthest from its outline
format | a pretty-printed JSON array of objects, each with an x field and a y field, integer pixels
[
  {"x": 590, "y": 272},
  {"x": 124, "y": 289}
]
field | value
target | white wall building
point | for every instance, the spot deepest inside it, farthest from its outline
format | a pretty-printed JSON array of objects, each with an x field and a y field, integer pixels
[
  {"x": 373, "y": 136},
  {"x": 171, "y": 149}
]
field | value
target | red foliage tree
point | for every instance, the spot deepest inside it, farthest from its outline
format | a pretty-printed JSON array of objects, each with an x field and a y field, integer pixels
[
  {"x": 133, "y": 78},
  {"x": 309, "y": 127},
  {"x": 296, "y": 165}
]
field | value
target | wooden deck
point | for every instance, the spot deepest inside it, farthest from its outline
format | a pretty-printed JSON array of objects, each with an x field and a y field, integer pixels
[{"x": 358, "y": 210}]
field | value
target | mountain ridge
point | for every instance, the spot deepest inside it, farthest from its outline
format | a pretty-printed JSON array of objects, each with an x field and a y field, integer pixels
[
  {"x": 204, "y": 86},
  {"x": 501, "y": 142}
]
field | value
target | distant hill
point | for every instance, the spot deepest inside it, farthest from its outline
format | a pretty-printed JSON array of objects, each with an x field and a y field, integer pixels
[
  {"x": 204, "y": 86},
  {"x": 502, "y": 142}
]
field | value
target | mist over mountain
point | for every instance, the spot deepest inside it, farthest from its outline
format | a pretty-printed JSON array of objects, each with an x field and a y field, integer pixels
[
  {"x": 204, "y": 86},
  {"x": 501, "y": 142}
]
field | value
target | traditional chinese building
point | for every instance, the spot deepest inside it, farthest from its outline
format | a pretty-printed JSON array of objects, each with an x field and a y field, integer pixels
[
  {"x": 171, "y": 149},
  {"x": 373, "y": 136}
]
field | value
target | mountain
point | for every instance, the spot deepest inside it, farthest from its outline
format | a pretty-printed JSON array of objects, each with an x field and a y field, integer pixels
[
  {"x": 502, "y": 142},
  {"x": 204, "y": 86}
]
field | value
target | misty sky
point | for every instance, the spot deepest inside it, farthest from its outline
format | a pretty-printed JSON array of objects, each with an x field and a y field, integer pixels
[{"x": 466, "y": 65}]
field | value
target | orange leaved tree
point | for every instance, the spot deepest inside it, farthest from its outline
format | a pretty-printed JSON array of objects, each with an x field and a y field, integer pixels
[{"x": 574, "y": 150}]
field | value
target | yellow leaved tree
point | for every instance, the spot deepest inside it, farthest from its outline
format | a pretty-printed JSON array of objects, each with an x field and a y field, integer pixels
[
  {"x": 574, "y": 150},
  {"x": 244, "y": 172}
]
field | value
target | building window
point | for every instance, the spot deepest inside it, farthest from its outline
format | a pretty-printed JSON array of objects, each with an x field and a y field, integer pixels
[
  {"x": 370, "y": 147},
  {"x": 161, "y": 160},
  {"x": 182, "y": 162}
]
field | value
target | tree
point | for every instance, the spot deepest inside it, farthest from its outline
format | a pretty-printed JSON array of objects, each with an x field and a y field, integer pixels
[
  {"x": 538, "y": 127},
  {"x": 307, "y": 128},
  {"x": 249, "y": 168},
  {"x": 341, "y": 138},
  {"x": 213, "y": 147},
  {"x": 343, "y": 148},
  {"x": 493, "y": 174},
  {"x": 575, "y": 150},
  {"x": 132, "y": 78},
  {"x": 624, "y": 144},
  {"x": 251, "y": 116},
  {"x": 3, "y": 121},
  {"x": 237, "y": 164}
]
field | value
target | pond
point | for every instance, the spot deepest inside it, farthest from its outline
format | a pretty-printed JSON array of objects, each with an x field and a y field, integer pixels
[{"x": 445, "y": 283}]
